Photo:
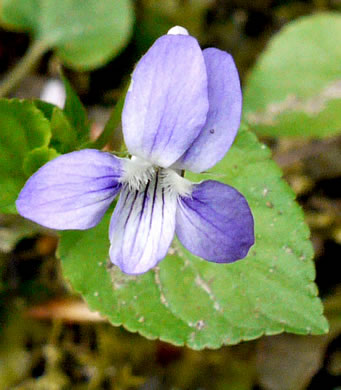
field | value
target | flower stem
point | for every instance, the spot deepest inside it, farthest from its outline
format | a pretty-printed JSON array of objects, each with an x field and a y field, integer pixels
[
  {"x": 111, "y": 134},
  {"x": 23, "y": 67}
]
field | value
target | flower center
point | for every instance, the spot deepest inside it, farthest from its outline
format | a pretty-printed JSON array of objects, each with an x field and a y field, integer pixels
[
  {"x": 138, "y": 172},
  {"x": 172, "y": 181}
]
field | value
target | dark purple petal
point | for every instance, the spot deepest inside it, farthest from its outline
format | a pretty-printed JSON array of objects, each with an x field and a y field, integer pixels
[
  {"x": 215, "y": 223},
  {"x": 223, "y": 118},
  {"x": 167, "y": 104},
  {"x": 72, "y": 191},
  {"x": 142, "y": 227}
]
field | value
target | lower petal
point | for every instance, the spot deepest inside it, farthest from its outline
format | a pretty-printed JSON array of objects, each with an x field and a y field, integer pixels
[
  {"x": 142, "y": 227},
  {"x": 215, "y": 223},
  {"x": 72, "y": 191}
]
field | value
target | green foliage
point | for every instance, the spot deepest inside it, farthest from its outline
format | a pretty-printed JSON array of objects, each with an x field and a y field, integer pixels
[
  {"x": 23, "y": 130},
  {"x": 44, "y": 107},
  {"x": 187, "y": 300},
  {"x": 70, "y": 126},
  {"x": 33, "y": 133},
  {"x": 86, "y": 33},
  {"x": 295, "y": 87},
  {"x": 64, "y": 136},
  {"x": 75, "y": 112},
  {"x": 38, "y": 157}
]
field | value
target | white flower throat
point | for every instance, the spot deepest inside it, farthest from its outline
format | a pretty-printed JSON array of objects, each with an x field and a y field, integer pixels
[{"x": 138, "y": 172}]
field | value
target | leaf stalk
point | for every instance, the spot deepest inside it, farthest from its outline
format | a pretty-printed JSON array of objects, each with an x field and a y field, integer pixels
[{"x": 34, "y": 53}]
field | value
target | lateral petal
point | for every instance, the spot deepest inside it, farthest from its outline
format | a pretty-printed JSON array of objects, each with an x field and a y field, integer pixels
[
  {"x": 142, "y": 227},
  {"x": 215, "y": 223},
  {"x": 167, "y": 103},
  {"x": 72, "y": 191},
  {"x": 223, "y": 118}
]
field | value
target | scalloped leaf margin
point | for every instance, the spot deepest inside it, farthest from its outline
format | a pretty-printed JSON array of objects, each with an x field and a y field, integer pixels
[{"x": 188, "y": 301}]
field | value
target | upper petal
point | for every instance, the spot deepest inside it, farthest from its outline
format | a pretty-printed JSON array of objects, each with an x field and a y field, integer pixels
[
  {"x": 72, "y": 191},
  {"x": 223, "y": 118},
  {"x": 215, "y": 223},
  {"x": 142, "y": 227},
  {"x": 167, "y": 104}
]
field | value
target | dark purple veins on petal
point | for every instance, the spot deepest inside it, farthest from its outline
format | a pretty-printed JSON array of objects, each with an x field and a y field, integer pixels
[{"x": 142, "y": 227}]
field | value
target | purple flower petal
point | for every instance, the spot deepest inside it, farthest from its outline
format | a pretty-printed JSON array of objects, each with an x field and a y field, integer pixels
[
  {"x": 167, "y": 104},
  {"x": 72, "y": 191},
  {"x": 215, "y": 223},
  {"x": 142, "y": 227},
  {"x": 223, "y": 118}
]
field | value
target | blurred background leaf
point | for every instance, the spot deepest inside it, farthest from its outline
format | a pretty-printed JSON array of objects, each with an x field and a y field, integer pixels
[
  {"x": 295, "y": 86},
  {"x": 86, "y": 33}
]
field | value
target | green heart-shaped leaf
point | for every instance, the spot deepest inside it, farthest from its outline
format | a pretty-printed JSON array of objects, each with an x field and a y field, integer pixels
[{"x": 187, "y": 300}]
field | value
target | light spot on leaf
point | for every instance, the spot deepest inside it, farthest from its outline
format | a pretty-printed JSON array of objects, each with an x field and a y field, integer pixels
[{"x": 292, "y": 103}]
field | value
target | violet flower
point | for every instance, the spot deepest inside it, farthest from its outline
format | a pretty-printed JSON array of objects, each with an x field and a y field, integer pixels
[{"x": 182, "y": 112}]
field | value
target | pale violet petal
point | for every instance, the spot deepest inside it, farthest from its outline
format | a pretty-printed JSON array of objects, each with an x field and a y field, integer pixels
[
  {"x": 223, "y": 118},
  {"x": 167, "y": 102},
  {"x": 142, "y": 227},
  {"x": 72, "y": 191},
  {"x": 215, "y": 223}
]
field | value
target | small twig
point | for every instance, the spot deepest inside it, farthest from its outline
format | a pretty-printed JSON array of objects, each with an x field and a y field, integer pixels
[{"x": 65, "y": 310}]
